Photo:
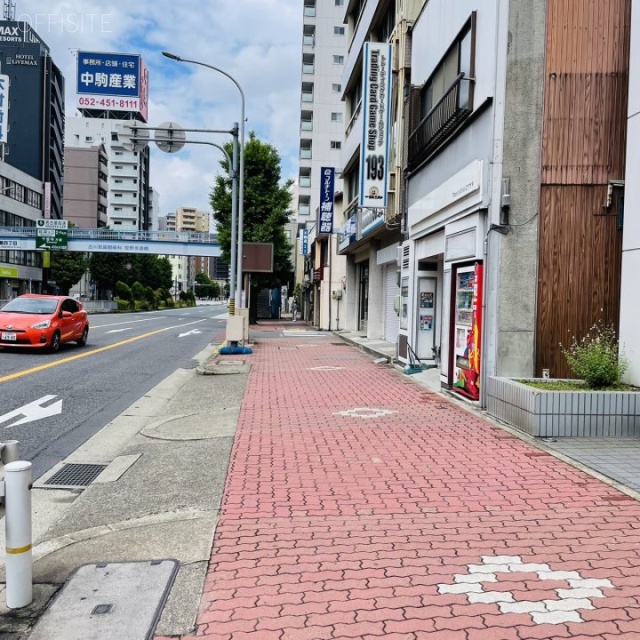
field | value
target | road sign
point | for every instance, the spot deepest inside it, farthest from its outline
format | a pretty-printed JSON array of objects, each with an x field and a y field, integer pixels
[
  {"x": 133, "y": 136},
  {"x": 51, "y": 238},
  {"x": 52, "y": 224},
  {"x": 170, "y": 137}
]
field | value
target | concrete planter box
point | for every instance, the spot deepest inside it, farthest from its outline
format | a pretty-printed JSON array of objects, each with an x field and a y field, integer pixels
[{"x": 542, "y": 413}]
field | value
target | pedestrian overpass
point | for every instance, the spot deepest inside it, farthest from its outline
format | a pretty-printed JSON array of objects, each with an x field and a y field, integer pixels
[{"x": 177, "y": 243}]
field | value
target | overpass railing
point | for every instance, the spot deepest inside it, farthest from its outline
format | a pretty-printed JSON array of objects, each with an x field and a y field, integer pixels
[{"x": 76, "y": 233}]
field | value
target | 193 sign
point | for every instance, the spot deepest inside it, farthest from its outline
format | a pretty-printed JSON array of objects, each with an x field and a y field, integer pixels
[{"x": 375, "y": 167}]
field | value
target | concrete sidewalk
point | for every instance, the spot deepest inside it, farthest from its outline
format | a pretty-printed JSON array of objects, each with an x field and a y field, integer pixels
[
  {"x": 360, "y": 505},
  {"x": 315, "y": 494}
]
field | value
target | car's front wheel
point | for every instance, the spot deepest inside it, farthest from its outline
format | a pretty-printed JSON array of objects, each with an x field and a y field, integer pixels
[
  {"x": 55, "y": 342},
  {"x": 83, "y": 339}
]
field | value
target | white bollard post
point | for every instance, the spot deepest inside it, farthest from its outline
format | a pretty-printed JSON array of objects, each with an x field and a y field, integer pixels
[
  {"x": 10, "y": 451},
  {"x": 19, "y": 560}
]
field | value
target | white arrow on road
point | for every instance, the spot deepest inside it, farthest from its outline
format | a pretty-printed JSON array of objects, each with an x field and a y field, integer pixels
[
  {"x": 118, "y": 330},
  {"x": 182, "y": 335},
  {"x": 33, "y": 411}
]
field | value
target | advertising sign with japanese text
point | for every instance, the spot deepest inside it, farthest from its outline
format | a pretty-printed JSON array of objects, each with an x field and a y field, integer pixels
[
  {"x": 376, "y": 110},
  {"x": 113, "y": 81},
  {"x": 327, "y": 181},
  {"x": 304, "y": 242}
]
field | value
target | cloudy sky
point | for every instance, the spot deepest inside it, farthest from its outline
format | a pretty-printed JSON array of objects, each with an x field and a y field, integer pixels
[{"x": 255, "y": 41}]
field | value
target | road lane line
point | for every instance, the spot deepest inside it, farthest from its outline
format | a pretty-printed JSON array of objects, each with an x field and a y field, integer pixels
[{"x": 49, "y": 365}]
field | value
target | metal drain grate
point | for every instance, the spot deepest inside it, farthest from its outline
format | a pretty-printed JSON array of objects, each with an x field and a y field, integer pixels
[{"x": 76, "y": 475}]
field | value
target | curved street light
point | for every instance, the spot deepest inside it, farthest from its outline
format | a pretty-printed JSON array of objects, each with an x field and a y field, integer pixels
[{"x": 239, "y": 285}]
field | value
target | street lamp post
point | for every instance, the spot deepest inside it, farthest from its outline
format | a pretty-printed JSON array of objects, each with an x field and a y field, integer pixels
[{"x": 239, "y": 287}]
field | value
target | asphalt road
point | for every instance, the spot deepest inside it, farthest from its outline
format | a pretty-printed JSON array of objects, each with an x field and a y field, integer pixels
[{"x": 52, "y": 403}]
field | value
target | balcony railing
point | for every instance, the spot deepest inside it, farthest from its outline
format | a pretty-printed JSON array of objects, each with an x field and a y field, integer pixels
[{"x": 455, "y": 106}]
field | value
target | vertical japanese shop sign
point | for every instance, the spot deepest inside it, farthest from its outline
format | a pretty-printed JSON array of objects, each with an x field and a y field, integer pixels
[
  {"x": 327, "y": 182},
  {"x": 376, "y": 99}
]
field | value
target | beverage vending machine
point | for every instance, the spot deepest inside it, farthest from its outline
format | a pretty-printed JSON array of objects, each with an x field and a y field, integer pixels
[{"x": 467, "y": 331}]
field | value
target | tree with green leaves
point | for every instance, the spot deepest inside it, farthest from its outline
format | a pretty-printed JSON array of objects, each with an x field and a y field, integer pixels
[
  {"x": 67, "y": 267},
  {"x": 266, "y": 206},
  {"x": 150, "y": 270}
]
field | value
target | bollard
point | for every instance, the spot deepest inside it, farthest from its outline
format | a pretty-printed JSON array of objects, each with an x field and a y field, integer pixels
[
  {"x": 19, "y": 560},
  {"x": 232, "y": 306},
  {"x": 10, "y": 451}
]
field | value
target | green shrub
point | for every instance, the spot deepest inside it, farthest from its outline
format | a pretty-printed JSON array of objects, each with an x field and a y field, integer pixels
[
  {"x": 123, "y": 305},
  {"x": 596, "y": 358},
  {"x": 150, "y": 298},
  {"x": 169, "y": 302},
  {"x": 137, "y": 290},
  {"x": 143, "y": 306},
  {"x": 123, "y": 291}
]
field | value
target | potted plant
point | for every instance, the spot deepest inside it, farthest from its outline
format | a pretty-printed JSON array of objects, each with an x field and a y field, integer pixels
[{"x": 597, "y": 403}]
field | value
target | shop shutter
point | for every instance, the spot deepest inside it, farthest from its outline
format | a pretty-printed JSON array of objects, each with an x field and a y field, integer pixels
[{"x": 391, "y": 319}]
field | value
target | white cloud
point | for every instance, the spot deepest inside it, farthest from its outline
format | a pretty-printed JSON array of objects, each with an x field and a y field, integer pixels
[{"x": 257, "y": 42}]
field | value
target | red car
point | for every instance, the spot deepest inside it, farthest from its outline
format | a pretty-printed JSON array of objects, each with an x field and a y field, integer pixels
[{"x": 43, "y": 322}]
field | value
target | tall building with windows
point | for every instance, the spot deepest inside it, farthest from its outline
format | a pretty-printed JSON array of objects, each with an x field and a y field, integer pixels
[
  {"x": 31, "y": 148},
  {"x": 129, "y": 193},
  {"x": 324, "y": 48}
]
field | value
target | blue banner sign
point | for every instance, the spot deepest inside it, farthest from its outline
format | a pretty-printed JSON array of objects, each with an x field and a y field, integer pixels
[
  {"x": 109, "y": 74},
  {"x": 327, "y": 182}
]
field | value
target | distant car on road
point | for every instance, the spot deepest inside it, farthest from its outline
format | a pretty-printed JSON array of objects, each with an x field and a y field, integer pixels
[{"x": 35, "y": 321}]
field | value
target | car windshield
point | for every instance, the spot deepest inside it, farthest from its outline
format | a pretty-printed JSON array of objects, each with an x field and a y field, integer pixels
[{"x": 30, "y": 305}]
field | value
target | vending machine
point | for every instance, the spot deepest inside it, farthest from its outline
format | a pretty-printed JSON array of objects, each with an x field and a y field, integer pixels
[{"x": 467, "y": 331}]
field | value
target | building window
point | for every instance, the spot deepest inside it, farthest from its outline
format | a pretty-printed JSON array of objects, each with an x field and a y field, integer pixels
[
  {"x": 309, "y": 35},
  {"x": 308, "y": 60},
  {"x": 338, "y": 59},
  {"x": 304, "y": 205},
  {"x": 305, "y": 149},
  {"x": 336, "y": 144},
  {"x": 339, "y": 3},
  {"x": 336, "y": 88},
  {"x": 457, "y": 61},
  {"x": 114, "y": 136},
  {"x": 88, "y": 139},
  {"x": 336, "y": 117},
  {"x": 445, "y": 101},
  {"x": 338, "y": 31},
  {"x": 307, "y": 92},
  {"x": 304, "y": 179},
  {"x": 310, "y": 8}
]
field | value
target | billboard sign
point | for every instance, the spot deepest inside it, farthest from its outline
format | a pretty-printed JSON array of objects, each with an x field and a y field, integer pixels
[
  {"x": 376, "y": 109},
  {"x": 327, "y": 182},
  {"x": 114, "y": 81},
  {"x": 4, "y": 107},
  {"x": 304, "y": 242}
]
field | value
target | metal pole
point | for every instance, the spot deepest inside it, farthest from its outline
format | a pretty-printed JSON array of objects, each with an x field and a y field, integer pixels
[
  {"x": 234, "y": 220},
  {"x": 173, "y": 56},
  {"x": 19, "y": 560}
]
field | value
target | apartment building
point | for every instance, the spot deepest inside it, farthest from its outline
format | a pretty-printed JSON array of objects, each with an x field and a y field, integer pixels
[
  {"x": 324, "y": 48},
  {"x": 128, "y": 195},
  {"x": 86, "y": 184}
]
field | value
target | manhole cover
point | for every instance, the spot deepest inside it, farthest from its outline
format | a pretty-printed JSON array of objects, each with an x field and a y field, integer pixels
[
  {"x": 189, "y": 364},
  {"x": 75, "y": 475}
]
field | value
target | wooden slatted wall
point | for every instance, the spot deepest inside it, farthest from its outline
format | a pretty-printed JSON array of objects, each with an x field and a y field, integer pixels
[{"x": 584, "y": 126}]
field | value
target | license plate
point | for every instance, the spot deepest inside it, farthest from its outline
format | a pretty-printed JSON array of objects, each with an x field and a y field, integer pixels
[{"x": 8, "y": 336}]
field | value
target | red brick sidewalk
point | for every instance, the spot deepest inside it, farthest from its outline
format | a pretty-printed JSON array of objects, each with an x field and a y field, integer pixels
[{"x": 358, "y": 505}]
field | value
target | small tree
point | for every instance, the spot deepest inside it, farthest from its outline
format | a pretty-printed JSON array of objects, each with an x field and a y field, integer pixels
[
  {"x": 137, "y": 290},
  {"x": 596, "y": 358},
  {"x": 124, "y": 294},
  {"x": 67, "y": 267},
  {"x": 150, "y": 298}
]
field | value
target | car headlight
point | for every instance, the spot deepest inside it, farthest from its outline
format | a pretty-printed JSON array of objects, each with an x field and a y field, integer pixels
[{"x": 45, "y": 324}]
